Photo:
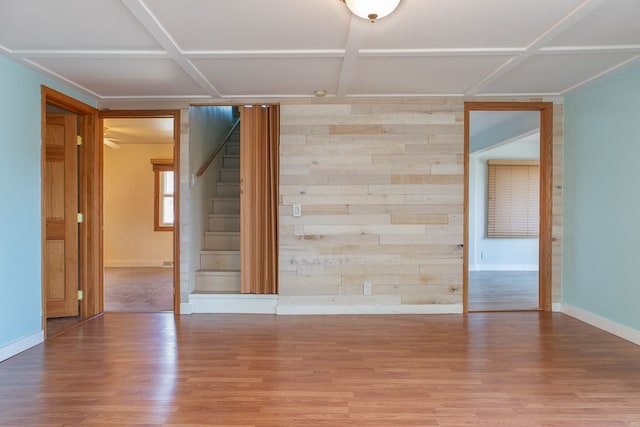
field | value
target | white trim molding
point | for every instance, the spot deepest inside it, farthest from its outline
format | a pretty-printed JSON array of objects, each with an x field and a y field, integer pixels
[
  {"x": 503, "y": 267},
  {"x": 296, "y": 309},
  {"x": 607, "y": 325},
  {"x": 233, "y": 303},
  {"x": 21, "y": 345},
  {"x": 186, "y": 308}
]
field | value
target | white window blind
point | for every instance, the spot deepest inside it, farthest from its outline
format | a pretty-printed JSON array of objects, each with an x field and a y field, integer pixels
[{"x": 513, "y": 205}]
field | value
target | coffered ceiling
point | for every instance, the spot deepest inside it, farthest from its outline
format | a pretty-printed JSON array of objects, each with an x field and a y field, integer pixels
[{"x": 204, "y": 50}]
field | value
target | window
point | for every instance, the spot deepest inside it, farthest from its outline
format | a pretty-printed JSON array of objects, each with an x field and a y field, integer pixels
[
  {"x": 513, "y": 205},
  {"x": 163, "y": 194}
]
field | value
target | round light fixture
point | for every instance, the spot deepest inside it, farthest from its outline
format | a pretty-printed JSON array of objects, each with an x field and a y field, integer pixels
[{"x": 372, "y": 9}]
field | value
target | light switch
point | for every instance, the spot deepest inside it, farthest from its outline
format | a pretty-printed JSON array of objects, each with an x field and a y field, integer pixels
[{"x": 297, "y": 209}]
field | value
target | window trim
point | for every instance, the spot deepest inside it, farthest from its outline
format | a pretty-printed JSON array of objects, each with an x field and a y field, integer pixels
[{"x": 158, "y": 166}]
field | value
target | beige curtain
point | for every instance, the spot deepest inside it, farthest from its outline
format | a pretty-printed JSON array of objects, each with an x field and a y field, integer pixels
[{"x": 259, "y": 169}]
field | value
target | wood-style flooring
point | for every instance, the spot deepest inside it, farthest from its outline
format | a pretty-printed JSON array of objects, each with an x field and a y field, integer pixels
[
  {"x": 482, "y": 369},
  {"x": 503, "y": 290}
]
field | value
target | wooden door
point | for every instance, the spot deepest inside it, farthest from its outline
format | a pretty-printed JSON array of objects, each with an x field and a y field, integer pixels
[{"x": 60, "y": 208}]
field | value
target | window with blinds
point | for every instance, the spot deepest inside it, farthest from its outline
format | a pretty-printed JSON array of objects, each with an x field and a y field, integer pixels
[{"x": 513, "y": 205}]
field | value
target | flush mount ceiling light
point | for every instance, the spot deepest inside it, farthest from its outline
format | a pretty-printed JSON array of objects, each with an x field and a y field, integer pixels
[{"x": 371, "y": 9}]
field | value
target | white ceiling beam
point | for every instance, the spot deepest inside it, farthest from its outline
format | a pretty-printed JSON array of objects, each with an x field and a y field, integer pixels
[
  {"x": 602, "y": 74},
  {"x": 142, "y": 13},
  {"x": 352, "y": 52},
  {"x": 579, "y": 12}
]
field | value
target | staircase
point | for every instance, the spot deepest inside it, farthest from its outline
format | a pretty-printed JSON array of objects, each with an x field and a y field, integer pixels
[{"x": 220, "y": 258}]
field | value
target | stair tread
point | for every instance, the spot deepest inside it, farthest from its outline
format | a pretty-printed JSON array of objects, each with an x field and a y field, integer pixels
[
  {"x": 224, "y": 233},
  {"x": 217, "y": 272},
  {"x": 224, "y": 215},
  {"x": 199, "y": 292},
  {"x": 219, "y": 251}
]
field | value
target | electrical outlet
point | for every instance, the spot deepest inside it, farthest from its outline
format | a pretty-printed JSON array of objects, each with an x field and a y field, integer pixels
[
  {"x": 366, "y": 289},
  {"x": 483, "y": 255},
  {"x": 297, "y": 209}
]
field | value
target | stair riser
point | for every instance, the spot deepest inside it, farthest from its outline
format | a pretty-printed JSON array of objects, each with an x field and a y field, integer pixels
[
  {"x": 226, "y": 206},
  {"x": 231, "y": 162},
  {"x": 232, "y": 148},
  {"x": 221, "y": 242},
  {"x": 228, "y": 190},
  {"x": 211, "y": 283},
  {"x": 230, "y": 175},
  {"x": 224, "y": 224},
  {"x": 220, "y": 261}
]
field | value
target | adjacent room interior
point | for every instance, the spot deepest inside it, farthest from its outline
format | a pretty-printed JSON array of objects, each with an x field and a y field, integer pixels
[
  {"x": 138, "y": 214},
  {"x": 504, "y": 192}
]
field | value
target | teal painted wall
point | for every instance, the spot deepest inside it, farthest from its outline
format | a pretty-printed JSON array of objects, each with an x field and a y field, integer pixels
[
  {"x": 601, "y": 251},
  {"x": 20, "y": 235}
]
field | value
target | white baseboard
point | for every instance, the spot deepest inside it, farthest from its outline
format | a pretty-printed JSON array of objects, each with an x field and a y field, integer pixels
[
  {"x": 233, "y": 303},
  {"x": 21, "y": 345},
  {"x": 610, "y": 326},
  {"x": 268, "y": 304},
  {"x": 134, "y": 263},
  {"x": 186, "y": 308},
  {"x": 503, "y": 267},
  {"x": 556, "y": 307},
  {"x": 303, "y": 309}
]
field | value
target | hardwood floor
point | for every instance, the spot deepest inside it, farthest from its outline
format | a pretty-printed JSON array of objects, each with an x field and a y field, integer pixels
[
  {"x": 482, "y": 369},
  {"x": 503, "y": 290},
  {"x": 57, "y": 325}
]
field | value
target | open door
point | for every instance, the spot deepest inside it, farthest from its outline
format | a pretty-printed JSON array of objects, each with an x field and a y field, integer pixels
[
  {"x": 71, "y": 250},
  {"x": 60, "y": 187},
  {"x": 174, "y": 115},
  {"x": 544, "y": 110}
]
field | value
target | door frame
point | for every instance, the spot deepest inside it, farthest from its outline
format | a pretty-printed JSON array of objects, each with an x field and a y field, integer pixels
[
  {"x": 158, "y": 114},
  {"x": 89, "y": 192},
  {"x": 546, "y": 193}
]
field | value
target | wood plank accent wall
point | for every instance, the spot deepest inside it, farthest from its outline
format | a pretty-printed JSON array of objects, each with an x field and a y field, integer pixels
[{"x": 381, "y": 184}]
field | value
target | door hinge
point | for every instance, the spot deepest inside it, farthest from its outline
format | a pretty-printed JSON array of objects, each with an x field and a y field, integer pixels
[
  {"x": 80, "y": 295},
  {"x": 78, "y": 140},
  {"x": 80, "y": 218}
]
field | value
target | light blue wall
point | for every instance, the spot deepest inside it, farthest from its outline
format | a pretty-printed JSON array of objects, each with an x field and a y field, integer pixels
[
  {"x": 601, "y": 250},
  {"x": 20, "y": 235}
]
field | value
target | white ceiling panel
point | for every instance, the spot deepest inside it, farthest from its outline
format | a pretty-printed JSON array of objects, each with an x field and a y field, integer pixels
[
  {"x": 126, "y": 77},
  {"x": 221, "y": 49},
  {"x": 271, "y": 76},
  {"x": 422, "y": 75},
  {"x": 205, "y": 25},
  {"x": 139, "y": 130},
  {"x": 70, "y": 25},
  {"x": 554, "y": 74},
  {"x": 614, "y": 23},
  {"x": 430, "y": 24}
]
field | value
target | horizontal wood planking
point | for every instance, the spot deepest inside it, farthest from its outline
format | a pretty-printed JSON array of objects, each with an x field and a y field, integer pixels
[{"x": 368, "y": 172}]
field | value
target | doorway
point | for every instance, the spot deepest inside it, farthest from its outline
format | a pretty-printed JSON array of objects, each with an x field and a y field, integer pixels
[
  {"x": 141, "y": 210},
  {"x": 507, "y": 228},
  {"x": 71, "y": 261}
]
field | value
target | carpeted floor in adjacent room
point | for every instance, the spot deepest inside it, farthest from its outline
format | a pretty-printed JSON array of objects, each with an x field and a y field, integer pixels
[{"x": 138, "y": 289}]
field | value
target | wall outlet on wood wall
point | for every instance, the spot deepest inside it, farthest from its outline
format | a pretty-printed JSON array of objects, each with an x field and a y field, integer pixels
[{"x": 366, "y": 289}]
